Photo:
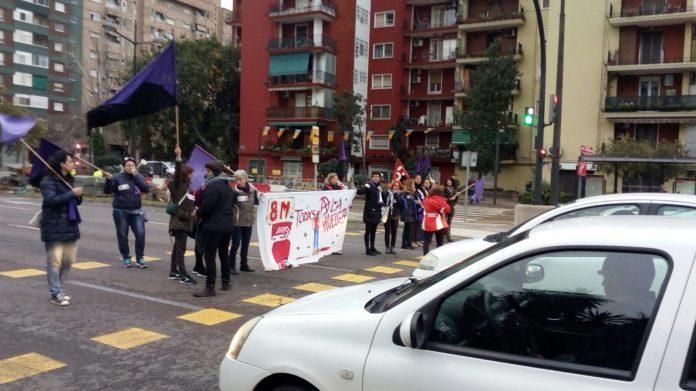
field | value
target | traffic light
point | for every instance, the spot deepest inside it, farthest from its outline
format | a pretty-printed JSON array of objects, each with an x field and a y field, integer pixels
[
  {"x": 528, "y": 118},
  {"x": 542, "y": 153},
  {"x": 553, "y": 103}
]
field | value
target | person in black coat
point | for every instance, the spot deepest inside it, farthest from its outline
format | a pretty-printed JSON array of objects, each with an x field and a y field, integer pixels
[
  {"x": 217, "y": 204},
  {"x": 372, "y": 214},
  {"x": 392, "y": 209},
  {"x": 59, "y": 223},
  {"x": 408, "y": 214}
]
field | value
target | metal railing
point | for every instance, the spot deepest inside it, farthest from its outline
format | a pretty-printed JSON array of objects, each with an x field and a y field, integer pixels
[
  {"x": 433, "y": 24},
  {"x": 657, "y": 9},
  {"x": 435, "y": 153},
  {"x": 492, "y": 17},
  {"x": 631, "y": 57},
  {"x": 312, "y": 77},
  {"x": 649, "y": 103},
  {"x": 435, "y": 57},
  {"x": 426, "y": 122},
  {"x": 505, "y": 50},
  {"x": 466, "y": 85},
  {"x": 320, "y": 41},
  {"x": 283, "y": 10},
  {"x": 300, "y": 112}
]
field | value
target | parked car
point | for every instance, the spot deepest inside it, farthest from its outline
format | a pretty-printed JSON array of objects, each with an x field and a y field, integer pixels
[
  {"x": 592, "y": 304},
  {"x": 159, "y": 168},
  {"x": 661, "y": 204}
]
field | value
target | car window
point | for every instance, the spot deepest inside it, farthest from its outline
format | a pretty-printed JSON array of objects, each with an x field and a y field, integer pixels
[
  {"x": 604, "y": 210},
  {"x": 573, "y": 309},
  {"x": 676, "y": 210}
]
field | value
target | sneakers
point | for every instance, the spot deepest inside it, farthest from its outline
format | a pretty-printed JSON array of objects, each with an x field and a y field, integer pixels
[
  {"x": 174, "y": 276},
  {"x": 370, "y": 253},
  {"x": 64, "y": 296},
  {"x": 188, "y": 280},
  {"x": 127, "y": 262},
  {"x": 208, "y": 291},
  {"x": 141, "y": 263},
  {"x": 225, "y": 285},
  {"x": 374, "y": 250},
  {"x": 59, "y": 300},
  {"x": 199, "y": 273}
]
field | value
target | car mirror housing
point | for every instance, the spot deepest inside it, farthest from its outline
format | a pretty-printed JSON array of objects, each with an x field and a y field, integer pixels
[
  {"x": 534, "y": 273},
  {"x": 412, "y": 331}
]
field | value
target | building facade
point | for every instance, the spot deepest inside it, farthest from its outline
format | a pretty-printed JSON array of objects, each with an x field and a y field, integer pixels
[
  {"x": 230, "y": 25},
  {"x": 289, "y": 87},
  {"x": 39, "y": 43}
]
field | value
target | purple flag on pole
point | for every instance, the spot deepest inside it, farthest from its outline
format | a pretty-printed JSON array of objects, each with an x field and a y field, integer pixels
[
  {"x": 342, "y": 152},
  {"x": 199, "y": 157},
  {"x": 14, "y": 127},
  {"x": 38, "y": 169},
  {"x": 151, "y": 90}
]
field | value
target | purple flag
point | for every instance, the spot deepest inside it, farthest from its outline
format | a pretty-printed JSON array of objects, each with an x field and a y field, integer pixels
[
  {"x": 15, "y": 127},
  {"x": 478, "y": 190},
  {"x": 199, "y": 157},
  {"x": 151, "y": 90},
  {"x": 38, "y": 169},
  {"x": 342, "y": 152}
]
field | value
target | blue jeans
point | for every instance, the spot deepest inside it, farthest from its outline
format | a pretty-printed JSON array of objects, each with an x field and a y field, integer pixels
[
  {"x": 135, "y": 222},
  {"x": 59, "y": 258},
  {"x": 241, "y": 237}
]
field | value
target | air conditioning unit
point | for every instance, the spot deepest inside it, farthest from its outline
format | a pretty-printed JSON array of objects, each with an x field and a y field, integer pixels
[
  {"x": 512, "y": 33},
  {"x": 417, "y": 42},
  {"x": 415, "y": 103},
  {"x": 416, "y": 79}
]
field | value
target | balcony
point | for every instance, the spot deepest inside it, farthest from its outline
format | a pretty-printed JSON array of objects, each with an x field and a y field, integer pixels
[
  {"x": 665, "y": 109},
  {"x": 632, "y": 64},
  {"x": 435, "y": 154},
  {"x": 425, "y": 122},
  {"x": 428, "y": 60},
  {"x": 462, "y": 87},
  {"x": 297, "y": 114},
  {"x": 296, "y": 82},
  {"x": 492, "y": 21},
  {"x": 432, "y": 28},
  {"x": 320, "y": 42},
  {"x": 658, "y": 15},
  {"x": 465, "y": 57},
  {"x": 326, "y": 10}
]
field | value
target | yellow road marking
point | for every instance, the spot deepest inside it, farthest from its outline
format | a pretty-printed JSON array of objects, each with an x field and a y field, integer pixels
[
  {"x": 209, "y": 316},
  {"x": 407, "y": 263},
  {"x": 129, "y": 338},
  {"x": 384, "y": 270},
  {"x": 315, "y": 287},
  {"x": 269, "y": 300},
  {"x": 26, "y": 365},
  {"x": 254, "y": 244},
  {"x": 89, "y": 265},
  {"x": 151, "y": 259},
  {"x": 21, "y": 273},
  {"x": 349, "y": 277},
  {"x": 353, "y": 234}
]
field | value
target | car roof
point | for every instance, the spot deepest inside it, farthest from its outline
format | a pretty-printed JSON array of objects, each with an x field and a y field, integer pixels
[
  {"x": 658, "y": 232},
  {"x": 636, "y": 197}
]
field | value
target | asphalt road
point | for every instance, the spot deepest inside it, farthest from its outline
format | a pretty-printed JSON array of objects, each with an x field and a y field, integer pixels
[{"x": 171, "y": 353}]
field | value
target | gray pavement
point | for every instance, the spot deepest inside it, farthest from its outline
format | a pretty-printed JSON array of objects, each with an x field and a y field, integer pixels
[{"x": 183, "y": 355}]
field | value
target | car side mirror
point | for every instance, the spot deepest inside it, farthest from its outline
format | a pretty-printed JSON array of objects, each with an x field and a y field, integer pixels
[
  {"x": 534, "y": 273},
  {"x": 412, "y": 331}
]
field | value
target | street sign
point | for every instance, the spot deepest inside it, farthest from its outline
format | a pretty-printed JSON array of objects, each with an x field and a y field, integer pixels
[
  {"x": 586, "y": 150},
  {"x": 469, "y": 158}
]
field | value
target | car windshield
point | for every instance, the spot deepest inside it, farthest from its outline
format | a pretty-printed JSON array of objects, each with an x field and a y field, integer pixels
[{"x": 397, "y": 295}]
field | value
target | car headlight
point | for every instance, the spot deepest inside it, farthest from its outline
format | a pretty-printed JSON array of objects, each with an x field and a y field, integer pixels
[
  {"x": 429, "y": 262},
  {"x": 241, "y": 336}
]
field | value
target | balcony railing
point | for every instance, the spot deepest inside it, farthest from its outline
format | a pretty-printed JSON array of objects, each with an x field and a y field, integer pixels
[
  {"x": 661, "y": 9},
  {"x": 435, "y": 153},
  {"x": 425, "y": 121},
  {"x": 318, "y": 77},
  {"x": 511, "y": 51},
  {"x": 434, "y": 24},
  {"x": 649, "y": 103},
  {"x": 432, "y": 57},
  {"x": 615, "y": 58},
  {"x": 463, "y": 86},
  {"x": 492, "y": 17},
  {"x": 325, "y": 6},
  {"x": 321, "y": 41},
  {"x": 300, "y": 112}
]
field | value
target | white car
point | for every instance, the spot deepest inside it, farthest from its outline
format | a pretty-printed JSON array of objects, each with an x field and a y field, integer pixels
[
  {"x": 661, "y": 204},
  {"x": 593, "y": 304}
]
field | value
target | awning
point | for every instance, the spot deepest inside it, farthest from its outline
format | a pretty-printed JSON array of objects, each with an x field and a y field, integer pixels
[
  {"x": 289, "y": 64},
  {"x": 461, "y": 137}
]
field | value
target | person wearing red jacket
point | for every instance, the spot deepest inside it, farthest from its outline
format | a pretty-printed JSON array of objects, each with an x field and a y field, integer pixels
[{"x": 435, "y": 219}]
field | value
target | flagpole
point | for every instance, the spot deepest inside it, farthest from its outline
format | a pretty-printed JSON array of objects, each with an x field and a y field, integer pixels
[
  {"x": 89, "y": 164},
  {"x": 176, "y": 114},
  {"x": 44, "y": 162}
]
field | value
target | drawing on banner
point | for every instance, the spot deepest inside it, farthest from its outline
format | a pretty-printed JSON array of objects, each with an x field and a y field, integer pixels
[{"x": 296, "y": 228}]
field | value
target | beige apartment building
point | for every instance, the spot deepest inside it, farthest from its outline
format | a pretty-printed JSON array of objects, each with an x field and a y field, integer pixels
[{"x": 630, "y": 71}]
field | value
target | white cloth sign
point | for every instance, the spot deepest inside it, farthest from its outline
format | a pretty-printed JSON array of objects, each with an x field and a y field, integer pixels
[{"x": 297, "y": 228}]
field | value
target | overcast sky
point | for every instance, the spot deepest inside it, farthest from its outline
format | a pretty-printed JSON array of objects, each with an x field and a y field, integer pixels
[{"x": 227, "y": 4}]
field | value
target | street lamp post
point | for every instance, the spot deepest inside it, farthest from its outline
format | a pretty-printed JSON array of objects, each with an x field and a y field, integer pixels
[{"x": 539, "y": 142}]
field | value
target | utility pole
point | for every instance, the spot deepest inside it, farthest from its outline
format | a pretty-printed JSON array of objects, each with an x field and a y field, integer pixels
[
  {"x": 556, "y": 149},
  {"x": 539, "y": 142}
]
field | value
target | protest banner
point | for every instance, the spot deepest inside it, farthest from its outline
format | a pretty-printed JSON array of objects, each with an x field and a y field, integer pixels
[{"x": 301, "y": 227}]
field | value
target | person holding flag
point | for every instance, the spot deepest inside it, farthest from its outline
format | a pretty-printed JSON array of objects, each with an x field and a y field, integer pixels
[
  {"x": 372, "y": 213},
  {"x": 182, "y": 217}
]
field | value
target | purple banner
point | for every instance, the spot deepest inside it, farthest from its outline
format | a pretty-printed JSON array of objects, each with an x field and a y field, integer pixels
[{"x": 199, "y": 157}]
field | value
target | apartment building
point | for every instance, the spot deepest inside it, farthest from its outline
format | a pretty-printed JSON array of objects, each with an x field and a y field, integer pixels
[
  {"x": 230, "y": 25},
  {"x": 309, "y": 56},
  {"x": 37, "y": 38}
]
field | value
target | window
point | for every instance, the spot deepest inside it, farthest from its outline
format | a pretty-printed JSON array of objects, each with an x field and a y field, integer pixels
[
  {"x": 384, "y": 19},
  {"x": 2, "y": 59},
  {"x": 545, "y": 3},
  {"x": 23, "y": 15},
  {"x": 605, "y": 210},
  {"x": 58, "y": 47},
  {"x": 383, "y": 81},
  {"x": 22, "y": 79},
  {"x": 39, "y": 60},
  {"x": 379, "y": 142},
  {"x": 58, "y": 67},
  {"x": 432, "y": 140},
  {"x": 95, "y": 16},
  {"x": 383, "y": 50},
  {"x": 435, "y": 82},
  {"x": 57, "y": 106},
  {"x": 362, "y": 15},
  {"x": 2, "y": 36},
  {"x": 23, "y": 58},
  {"x": 60, "y": 7},
  {"x": 35, "y": 101},
  {"x": 363, "y": 77},
  {"x": 380, "y": 112},
  {"x": 39, "y": 82},
  {"x": 674, "y": 210},
  {"x": 60, "y": 27},
  {"x": 360, "y": 47},
  {"x": 589, "y": 308},
  {"x": 22, "y": 36},
  {"x": 22, "y": 100},
  {"x": 58, "y": 87}
]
